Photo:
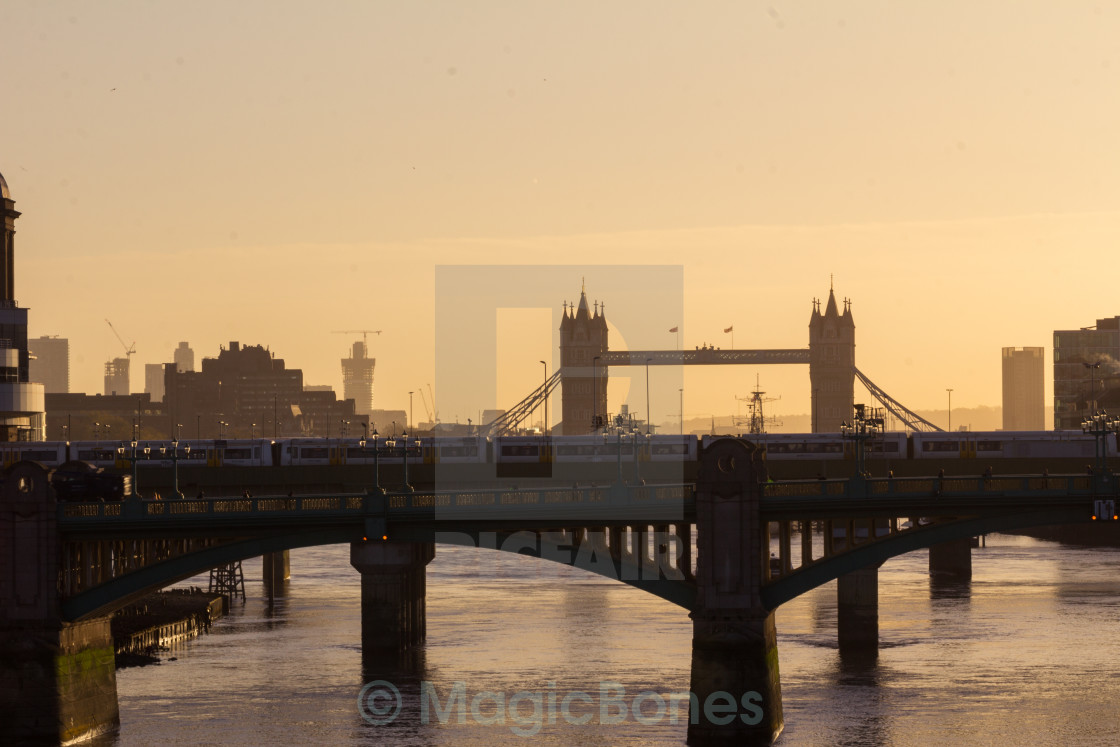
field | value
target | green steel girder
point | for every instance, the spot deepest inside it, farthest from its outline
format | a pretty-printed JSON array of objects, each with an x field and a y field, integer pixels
[
  {"x": 112, "y": 595},
  {"x": 875, "y": 552},
  {"x": 680, "y": 592}
]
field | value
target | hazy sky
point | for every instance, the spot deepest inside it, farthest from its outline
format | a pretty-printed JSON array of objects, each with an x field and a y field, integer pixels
[{"x": 268, "y": 172}]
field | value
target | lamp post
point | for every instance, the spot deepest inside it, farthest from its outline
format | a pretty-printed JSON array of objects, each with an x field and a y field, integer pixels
[
  {"x": 637, "y": 436},
  {"x": 595, "y": 393},
  {"x": 682, "y": 411},
  {"x": 409, "y": 423},
  {"x": 544, "y": 392},
  {"x": 1100, "y": 424},
  {"x": 866, "y": 425},
  {"x": 376, "y": 471},
  {"x": 649, "y": 414},
  {"x": 222, "y": 429},
  {"x": 404, "y": 444},
  {"x": 175, "y": 464},
  {"x": 1091, "y": 401},
  {"x": 950, "y": 391},
  {"x": 618, "y": 440},
  {"x": 133, "y": 458}
]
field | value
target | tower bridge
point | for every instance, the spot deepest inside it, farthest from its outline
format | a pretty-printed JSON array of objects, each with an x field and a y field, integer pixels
[
  {"x": 728, "y": 549},
  {"x": 585, "y": 358}
]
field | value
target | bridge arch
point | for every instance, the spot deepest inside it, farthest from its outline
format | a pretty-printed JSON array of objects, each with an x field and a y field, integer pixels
[
  {"x": 798, "y": 582},
  {"x": 645, "y": 573}
]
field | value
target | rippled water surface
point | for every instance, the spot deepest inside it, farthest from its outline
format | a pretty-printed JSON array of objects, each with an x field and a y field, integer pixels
[{"x": 1028, "y": 653}]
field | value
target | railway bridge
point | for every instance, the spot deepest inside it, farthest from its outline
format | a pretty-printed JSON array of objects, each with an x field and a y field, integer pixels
[{"x": 728, "y": 549}]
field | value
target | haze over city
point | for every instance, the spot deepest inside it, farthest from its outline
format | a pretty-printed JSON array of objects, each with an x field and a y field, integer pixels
[{"x": 270, "y": 172}]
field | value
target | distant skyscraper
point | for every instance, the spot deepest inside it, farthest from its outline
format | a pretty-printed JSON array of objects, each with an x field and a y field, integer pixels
[
  {"x": 1023, "y": 408},
  {"x": 184, "y": 358},
  {"x": 116, "y": 376},
  {"x": 50, "y": 363},
  {"x": 23, "y": 415},
  {"x": 1086, "y": 367},
  {"x": 153, "y": 381},
  {"x": 357, "y": 379}
]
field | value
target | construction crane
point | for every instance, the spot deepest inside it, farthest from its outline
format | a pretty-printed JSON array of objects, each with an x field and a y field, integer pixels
[
  {"x": 362, "y": 332},
  {"x": 433, "y": 413},
  {"x": 128, "y": 349}
]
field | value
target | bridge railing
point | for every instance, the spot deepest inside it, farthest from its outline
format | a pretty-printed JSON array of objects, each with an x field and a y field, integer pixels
[
  {"x": 948, "y": 486},
  {"x": 535, "y": 500}
]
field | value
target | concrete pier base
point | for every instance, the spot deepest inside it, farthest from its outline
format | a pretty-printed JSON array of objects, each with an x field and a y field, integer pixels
[
  {"x": 394, "y": 582},
  {"x": 276, "y": 569},
  {"x": 736, "y": 696},
  {"x": 735, "y": 680},
  {"x": 952, "y": 560},
  {"x": 857, "y": 611},
  {"x": 57, "y": 680},
  {"x": 58, "y": 684}
]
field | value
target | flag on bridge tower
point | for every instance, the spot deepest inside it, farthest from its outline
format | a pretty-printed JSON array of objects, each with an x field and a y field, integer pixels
[
  {"x": 729, "y": 329},
  {"x": 674, "y": 329}
]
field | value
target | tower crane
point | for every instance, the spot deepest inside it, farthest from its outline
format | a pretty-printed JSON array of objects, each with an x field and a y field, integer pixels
[
  {"x": 362, "y": 332},
  {"x": 128, "y": 349}
]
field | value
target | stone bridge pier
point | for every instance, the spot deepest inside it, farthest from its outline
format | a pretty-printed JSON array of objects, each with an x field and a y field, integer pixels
[
  {"x": 57, "y": 679},
  {"x": 735, "y": 684},
  {"x": 394, "y": 583}
]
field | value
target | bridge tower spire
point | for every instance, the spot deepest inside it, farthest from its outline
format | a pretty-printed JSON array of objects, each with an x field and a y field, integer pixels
[
  {"x": 583, "y": 380},
  {"x": 832, "y": 364}
]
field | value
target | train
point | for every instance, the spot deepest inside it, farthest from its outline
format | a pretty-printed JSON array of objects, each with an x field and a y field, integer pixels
[{"x": 540, "y": 449}]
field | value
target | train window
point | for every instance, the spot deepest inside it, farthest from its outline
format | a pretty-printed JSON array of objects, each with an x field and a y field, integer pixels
[
  {"x": 940, "y": 446},
  {"x": 989, "y": 446},
  {"x": 239, "y": 453},
  {"x": 510, "y": 450},
  {"x": 681, "y": 449},
  {"x": 313, "y": 452},
  {"x": 40, "y": 455}
]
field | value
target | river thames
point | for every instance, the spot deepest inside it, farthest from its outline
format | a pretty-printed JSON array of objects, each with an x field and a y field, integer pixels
[{"x": 1027, "y": 653}]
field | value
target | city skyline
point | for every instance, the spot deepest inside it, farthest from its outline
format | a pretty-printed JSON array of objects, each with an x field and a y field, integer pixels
[{"x": 955, "y": 179}]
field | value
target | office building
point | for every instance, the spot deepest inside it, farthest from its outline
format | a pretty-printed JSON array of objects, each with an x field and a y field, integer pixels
[
  {"x": 1023, "y": 398},
  {"x": 184, "y": 358},
  {"x": 50, "y": 363},
  {"x": 1085, "y": 370}
]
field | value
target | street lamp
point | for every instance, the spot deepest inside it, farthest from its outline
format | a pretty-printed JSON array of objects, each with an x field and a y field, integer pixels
[
  {"x": 376, "y": 465},
  {"x": 950, "y": 391},
  {"x": 404, "y": 444},
  {"x": 1100, "y": 424},
  {"x": 866, "y": 425},
  {"x": 682, "y": 411},
  {"x": 649, "y": 415},
  {"x": 637, "y": 435},
  {"x": 133, "y": 458},
  {"x": 409, "y": 423},
  {"x": 544, "y": 392},
  {"x": 222, "y": 429},
  {"x": 1091, "y": 402},
  {"x": 175, "y": 464}
]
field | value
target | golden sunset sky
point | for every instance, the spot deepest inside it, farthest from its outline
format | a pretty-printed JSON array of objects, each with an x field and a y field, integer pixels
[{"x": 268, "y": 172}]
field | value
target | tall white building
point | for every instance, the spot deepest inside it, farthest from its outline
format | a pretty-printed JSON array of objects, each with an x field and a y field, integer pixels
[{"x": 22, "y": 411}]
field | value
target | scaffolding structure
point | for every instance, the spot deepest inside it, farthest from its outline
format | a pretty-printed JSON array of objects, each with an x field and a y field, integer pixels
[{"x": 228, "y": 580}]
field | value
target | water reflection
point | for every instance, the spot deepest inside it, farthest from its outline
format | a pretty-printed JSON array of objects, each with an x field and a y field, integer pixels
[{"x": 1003, "y": 658}]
